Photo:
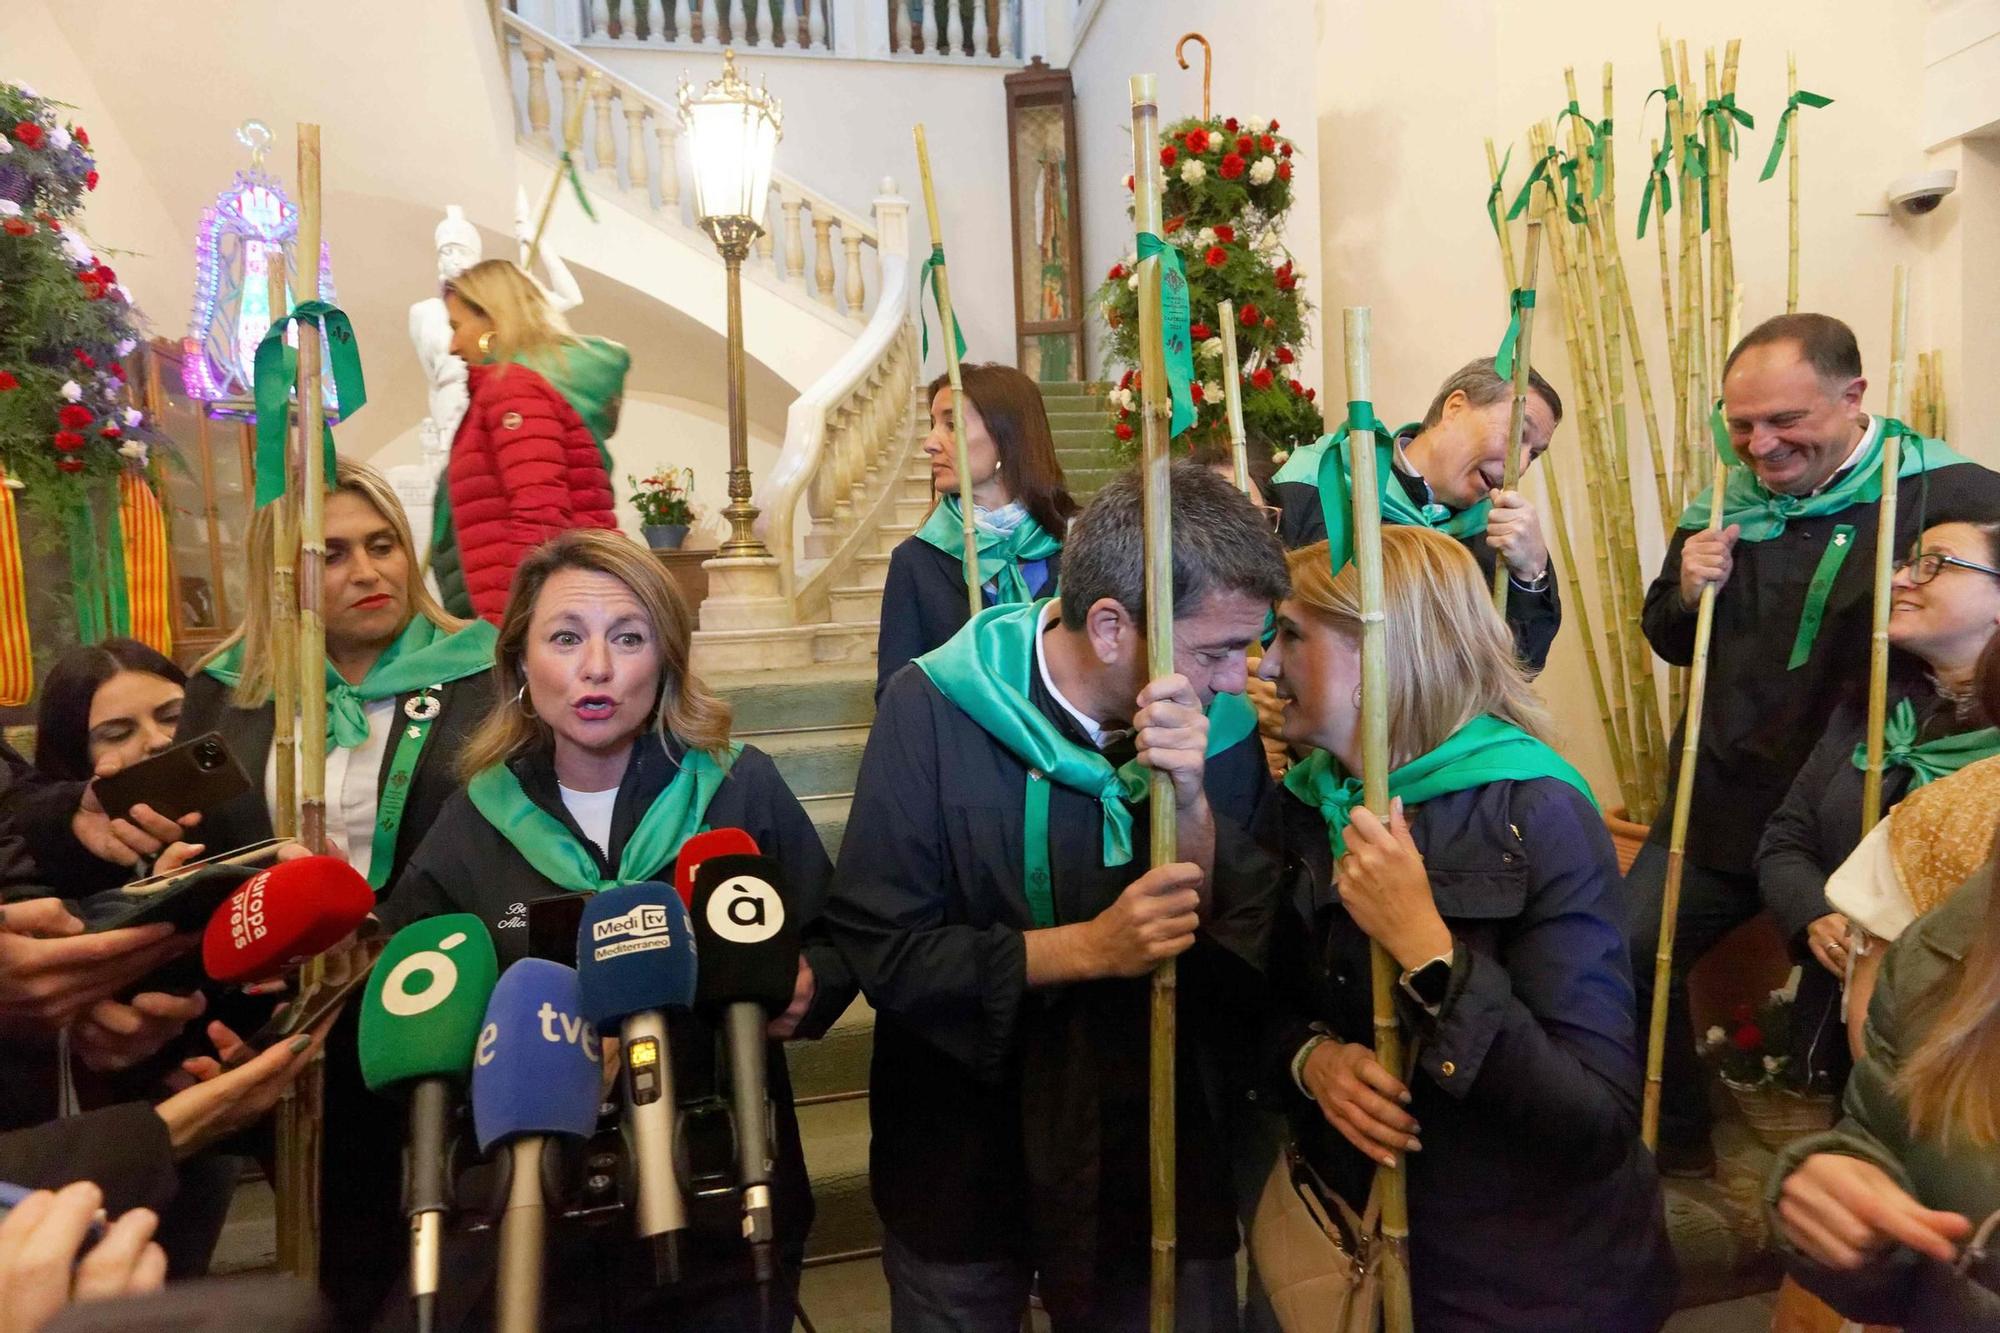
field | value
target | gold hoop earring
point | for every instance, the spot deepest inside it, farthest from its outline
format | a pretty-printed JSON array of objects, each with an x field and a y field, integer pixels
[{"x": 486, "y": 343}]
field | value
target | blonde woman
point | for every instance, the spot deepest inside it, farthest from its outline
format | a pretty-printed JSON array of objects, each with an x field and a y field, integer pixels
[
  {"x": 529, "y": 459},
  {"x": 1494, "y": 887},
  {"x": 405, "y": 685},
  {"x": 600, "y": 757}
]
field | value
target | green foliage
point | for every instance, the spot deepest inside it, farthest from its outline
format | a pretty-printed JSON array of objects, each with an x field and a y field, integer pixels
[{"x": 1224, "y": 214}]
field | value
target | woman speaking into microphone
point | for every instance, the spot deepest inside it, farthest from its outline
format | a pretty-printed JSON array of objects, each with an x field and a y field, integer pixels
[{"x": 601, "y": 756}]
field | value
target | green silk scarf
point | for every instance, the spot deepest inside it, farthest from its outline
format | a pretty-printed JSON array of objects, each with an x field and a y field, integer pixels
[
  {"x": 1762, "y": 514},
  {"x": 1932, "y": 759},
  {"x": 1001, "y": 554}
]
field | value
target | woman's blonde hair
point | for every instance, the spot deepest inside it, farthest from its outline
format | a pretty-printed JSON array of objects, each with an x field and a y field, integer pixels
[
  {"x": 683, "y": 710},
  {"x": 1454, "y": 658},
  {"x": 522, "y": 318},
  {"x": 374, "y": 490}
]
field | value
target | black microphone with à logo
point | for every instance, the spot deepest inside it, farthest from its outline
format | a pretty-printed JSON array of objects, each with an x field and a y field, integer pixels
[{"x": 748, "y": 943}]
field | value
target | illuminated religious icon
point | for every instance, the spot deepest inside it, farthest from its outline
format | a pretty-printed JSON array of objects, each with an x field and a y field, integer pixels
[{"x": 243, "y": 280}]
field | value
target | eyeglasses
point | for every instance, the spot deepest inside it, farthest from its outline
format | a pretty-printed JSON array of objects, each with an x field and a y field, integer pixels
[
  {"x": 1272, "y": 515},
  {"x": 1925, "y": 566}
]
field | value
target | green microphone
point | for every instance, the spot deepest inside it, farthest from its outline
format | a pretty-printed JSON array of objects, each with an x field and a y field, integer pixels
[{"x": 420, "y": 1022}]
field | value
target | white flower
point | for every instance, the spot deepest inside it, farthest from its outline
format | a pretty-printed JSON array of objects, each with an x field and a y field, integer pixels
[
  {"x": 1132, "y": 262},
  {"x": 59, "y": 139},
  {"x": 1256, "y": 124},
  {"x": 1211, "y": 392},
  {"x": 72, "y": 391},
  {"x": 132, "y": 417},
  {"x": 8, "y": 208},
  {"x": 28, "y": 92},
  {"x": 1280, "y": 456},
  {"x": 125, "y": 346},
  {"x": 1212, "y": 349},
  {"x": 1206, "y": 237},
  {"x": 79, "y": 253},
  {"x": 1262, "y": 170},
  {"x": 134, "y": 449},
  {"x": 5, "y": 146},
  {"x": 1716, "y": 1036},
  {"x": 1772, "y": 1064},
  {"x": 1133, "y": 282},
  {"x": 1193, "y": 170}
]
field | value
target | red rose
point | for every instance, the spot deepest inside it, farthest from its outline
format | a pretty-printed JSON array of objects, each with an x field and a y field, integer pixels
[
  {"x": 70, "y": 464},
  {"x": 7, "y": 381},
  {"x": 105, "y": 275},
  {"x": 1226, "y": 234},
  {"x": 1273, "y": 127},
  {"x": 1267, "y": 143},
  {"x": 1122, "y": 431},
  {"x": 1286, "y": 279},
  {"x": 90, "y": 180},
  {"x": 85, "y": 357},
  {"x": 1128, "y": 184},
  {"x": 1297, "y": 388},
  {"x": 1270, "y": 323},
  {"x": 1232, "y": 166},
  {"x": 1284, "y": 355},
  {"x": 75, "y": 416},
  {"x": 1125, "y": 380},
  {"x": 1200, "y": 332},
  {"x": 1173, "y": 225},
  {"x": 16, "y": 227},
  {"x": 1216, "y": 256},
  {"x": 1284, "y": 150},
  {"x": 1194, "y": 391},
  {"x": 112, "y": 432},
  {"x": 1245, "y": 144},
  {"x": 1197, "y": 141},
  {"x": 1749, "y": 1038},
  {"x": 1284, "y": 171},
  {"x": 1168, "y": 156},
  {"x": 1230, "y": 124},
  {"x": 1117, "y": 272},
  {"x": 1311, "y": 394},
  {"x": 68, "y": 441},
  {"x": 82, "y": 135},
  {"x": 117, "y": 370},
  {"x": 1261, "y": 378},
  {"x": 1249, "y": 316},
  {"x": 28, "y": 134}
]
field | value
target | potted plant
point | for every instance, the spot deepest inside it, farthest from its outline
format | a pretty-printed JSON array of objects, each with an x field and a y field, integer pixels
[
  {"x": 665, "y": 502},
  {"x": 1775, "y": 1093}
]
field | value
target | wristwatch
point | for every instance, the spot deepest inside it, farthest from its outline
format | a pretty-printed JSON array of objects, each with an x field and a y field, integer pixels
[{"x": 1429, "y": 983}]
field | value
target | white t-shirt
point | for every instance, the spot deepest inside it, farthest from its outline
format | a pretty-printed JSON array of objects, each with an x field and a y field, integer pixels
[
  {"x": 592, "y": 812},
  {"x": 352, "y": 778}
]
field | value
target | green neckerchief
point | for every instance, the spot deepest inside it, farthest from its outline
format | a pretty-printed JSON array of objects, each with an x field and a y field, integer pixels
[
  {"x": 1483, "y": 750},
  {"x": 1001, "y": 554},
  {"x": 1929, "y": 760},
  {"x": 559, "y": 857},
  {"x": 1336, "y": 498},
  {"x": 422, "y": 655},
  {"x": 1762, "y": 514},
  {"x": 985, "y": 670}
]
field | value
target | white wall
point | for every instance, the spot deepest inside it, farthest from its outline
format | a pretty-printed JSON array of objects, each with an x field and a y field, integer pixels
[{"x": 1265, "y": 70}]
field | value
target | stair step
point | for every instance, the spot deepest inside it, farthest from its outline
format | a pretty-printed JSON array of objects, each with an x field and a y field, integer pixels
[
  {"x": 835, "y": 1138},
  {"x": 853, "y": 605},
  {"x": 837, "y": 1064},
  {"x": 829, "y": 816},
  {"x": 817, "y": 762},
  {"x": 871, "y": 571},
  {"x": 817, "y": 696},
  {"x": 1068, "y": 388}
]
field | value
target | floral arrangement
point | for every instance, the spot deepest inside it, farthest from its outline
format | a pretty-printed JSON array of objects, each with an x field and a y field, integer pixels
[
  {"x": 1755, "y": 1050},
  {"x": 66, "y": 323},
  {"x": 665, "y": 499},
  {"x": 1228, "y": 186}
]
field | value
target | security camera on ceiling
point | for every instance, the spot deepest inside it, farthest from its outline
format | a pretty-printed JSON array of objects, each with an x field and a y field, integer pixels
[{"x": 1922, "y": 193}]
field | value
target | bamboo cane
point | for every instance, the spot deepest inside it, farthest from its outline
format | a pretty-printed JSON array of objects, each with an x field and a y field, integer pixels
[
  {"x": 1232, "y": 395},
  {"x": 1207, "y": 65},
  {"x": 1940, "y": 425},
  {"x": 1501, "y": 226},
  {"x": 1885, "y": 556},
  {"x": 1155, "y": 464},
  {"x": 1694, "y": 301},
  {"x": 572, "y": 144},
  {"x": 1663, "y": 960},
  {"x": 1792, "y": 192},
  {"x": 1395, "y": 1270},
  {"x": 961, "y": 451},
  {"x": 1726, "y": 135},
  {"x": 1517, "y": 414},
  {"x": 1580, "y": 607}
]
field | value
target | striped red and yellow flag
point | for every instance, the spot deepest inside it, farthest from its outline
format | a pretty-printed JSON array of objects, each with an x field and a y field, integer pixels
[
  {"x": 17, "y": 658},
  {"x": 147, "y": 572}
]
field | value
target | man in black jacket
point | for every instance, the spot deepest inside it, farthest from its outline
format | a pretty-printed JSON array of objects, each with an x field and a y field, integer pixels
[
  {"x": 1794, "y": 565},
  {"x": 1004, "y": 917}
]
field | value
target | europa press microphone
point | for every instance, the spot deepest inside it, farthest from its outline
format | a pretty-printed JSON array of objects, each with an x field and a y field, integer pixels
[
  {"x": 535, "y": 1074},
  {"x": 635, "y": 959},
  {"x": 420, "y": 1022},
  {"x": 283, "y": 916},
  {"x": 749, "y": 950}
]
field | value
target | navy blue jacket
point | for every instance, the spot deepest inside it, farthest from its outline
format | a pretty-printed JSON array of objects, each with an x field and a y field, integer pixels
[
  {"x": 923, "y": 603},
  {"x": 1533, "y": 1205}
]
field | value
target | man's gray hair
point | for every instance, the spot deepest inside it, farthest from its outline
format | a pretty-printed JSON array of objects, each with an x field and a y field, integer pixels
[
  {"x": 1483, "y": 386},
  {"x": 1221, "y": 542}
]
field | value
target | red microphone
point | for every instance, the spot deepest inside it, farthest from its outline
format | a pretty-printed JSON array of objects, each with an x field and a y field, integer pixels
[
  {"x": 283, "y": 916},
  {"x": 703, "y": 846}
]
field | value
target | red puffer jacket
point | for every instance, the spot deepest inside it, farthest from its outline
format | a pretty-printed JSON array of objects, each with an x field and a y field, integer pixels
[{"x": 523, "y": 468}]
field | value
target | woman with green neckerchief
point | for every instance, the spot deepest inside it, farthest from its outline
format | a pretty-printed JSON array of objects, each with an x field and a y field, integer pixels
[
  {"x": 405, "y": 685},
  {"x": 1019, "y": 505},
  {"x": 601, "y": 755},
  {"x": 1945, "y": 605},
  {"x": 1494, "y": 887}
]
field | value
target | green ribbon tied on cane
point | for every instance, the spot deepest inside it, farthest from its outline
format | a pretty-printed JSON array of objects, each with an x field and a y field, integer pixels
[
  {"x": 1723, "y": 110},
  {"x": 1694, "y": 156},
  {"x": 1792, "y": 105},
  {"x": 1599, "y": 131},
  {"x": 576, "y": 183},
  {"x": 1520, "y": 299},
  {"x": 276, "y": 366},
  {"x": 1929, "y": 760},
  {"x": 929, "y": 277},
  {"x": 1497, "y": 189},
  {"x": 1176, "y": 346},
  {"x": 1659, "y": 177},
  {"x": 1567, "y": 167},
  {"x": 1539, "y": 173}
]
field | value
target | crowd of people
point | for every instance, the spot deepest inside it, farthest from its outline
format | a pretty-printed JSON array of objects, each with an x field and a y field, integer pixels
[{"x": 996, "y": 900}]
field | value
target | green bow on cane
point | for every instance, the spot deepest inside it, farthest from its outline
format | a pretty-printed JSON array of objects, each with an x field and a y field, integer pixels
[
  {"x": 1659, "y": 177},
  {"x": 1540, "y": 173},
  {"x": 1695, "y": 154},
  {"x": 1521, "y": 298},
  {"x": 276, "y": 366},
  {"x": 1792, "y": 105},
  {"x": 1498, "y": 188},
  {"x": 1722, "y": 111},
  {"x": 1176, "y": 347},
  {"x": 929, "y": 277},
  {"x": 1598, "y": 131},
  {"x": 1566, "y": 167},
  {"x": 576, "y": 183}
]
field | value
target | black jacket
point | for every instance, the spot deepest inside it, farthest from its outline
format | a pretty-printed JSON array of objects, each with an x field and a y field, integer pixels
[
  {"x": 1533, "y": 1205},
  {"x": 1760, "y": 719},
  {"x": 39, "y": 853},
  {"x": 466, "y": 865},
  {"x": 1534, "y": 615},
  {"x": 124, "y": 1149},
  {"x": 923, "y": 604},
  {"x": 1010, "y": 1121}
]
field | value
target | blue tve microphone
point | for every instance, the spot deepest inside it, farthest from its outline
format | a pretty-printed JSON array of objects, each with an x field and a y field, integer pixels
[
  {"x": 535, "y": 1074},
  {"x": 635, "y": 960}
]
